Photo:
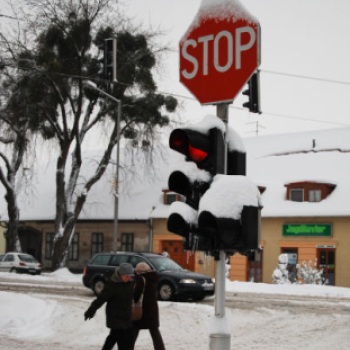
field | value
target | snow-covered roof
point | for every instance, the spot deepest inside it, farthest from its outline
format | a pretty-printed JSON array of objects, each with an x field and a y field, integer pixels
[{"x": 272, "y": 162}]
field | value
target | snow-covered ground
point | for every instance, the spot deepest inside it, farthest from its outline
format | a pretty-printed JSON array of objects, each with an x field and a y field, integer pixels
[{"x": 47, "y": 321}]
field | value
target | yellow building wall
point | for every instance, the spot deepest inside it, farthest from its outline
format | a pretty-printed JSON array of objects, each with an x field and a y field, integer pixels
[
  {"x": 307, "y": 250},
  {"x": 2, "y": 241}
]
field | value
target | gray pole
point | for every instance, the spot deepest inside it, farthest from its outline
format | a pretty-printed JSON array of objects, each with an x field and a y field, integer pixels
[
  {"x": 221, "y": 341},
  {"x": 116, "y": 194}
]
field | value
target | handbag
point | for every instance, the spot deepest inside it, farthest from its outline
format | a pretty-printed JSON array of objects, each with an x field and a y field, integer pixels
[{"x": 137, "y": 307}]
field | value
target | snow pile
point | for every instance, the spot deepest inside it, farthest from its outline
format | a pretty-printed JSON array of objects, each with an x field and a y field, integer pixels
[
  {"x": 227, "y": 196},
  {"x": 25, "y": 316}
]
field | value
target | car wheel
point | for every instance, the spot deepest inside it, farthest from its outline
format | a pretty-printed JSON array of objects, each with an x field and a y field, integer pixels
[
  {"x": 166, "y": 291},
  {"x": 98, "y": 286},
  {"x": 13, "y": 270}
]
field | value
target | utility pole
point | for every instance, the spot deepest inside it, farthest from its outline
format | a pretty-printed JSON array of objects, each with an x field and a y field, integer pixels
[{"x": 116, "y": 194}]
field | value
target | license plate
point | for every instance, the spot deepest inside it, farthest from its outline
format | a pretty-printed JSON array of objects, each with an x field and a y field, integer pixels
[
  {"x": 208, "y": 286},
  {"x": 31, "y": 271}
]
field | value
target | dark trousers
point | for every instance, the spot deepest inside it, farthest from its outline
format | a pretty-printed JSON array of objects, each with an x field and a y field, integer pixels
[
  {"x": 123, "y": 337},
  {"x": 156, "y": 338}
]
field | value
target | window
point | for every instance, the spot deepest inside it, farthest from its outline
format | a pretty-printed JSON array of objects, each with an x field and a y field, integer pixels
[
  {"x": 96, "y": 243},
  {"x": 310, "y": 191},
  {"x": 49, "y": 245},
  {"x": 74, "y": 247},
  {"x": 170, "y": 198},
  {"x": 100, "y": 260},
  {"x": 9, "y": 257},
  {"x": 118, "y": 259},
  {"x": 1, "y": 257},
  {"x": 297, "y": 195},
  {"x": 137, "y": 259},
  {"x": 315, "y": 196},
  {"x": 255, "y": 267},
  {"x": 127, "y": 242},
  {"x": 292, "y": 263}
]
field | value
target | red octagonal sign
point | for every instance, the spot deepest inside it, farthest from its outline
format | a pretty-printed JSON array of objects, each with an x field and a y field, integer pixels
[{"x": 220, "y": 51}]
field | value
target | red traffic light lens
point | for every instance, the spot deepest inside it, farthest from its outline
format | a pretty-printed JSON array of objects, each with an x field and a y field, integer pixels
[
  {"x": 179, "y": 141},
  {"x": 197, "y": 154}
]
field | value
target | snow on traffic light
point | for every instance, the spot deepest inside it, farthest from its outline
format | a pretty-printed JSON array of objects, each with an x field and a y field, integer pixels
[
  {"x": 220, "y": 212},
  {"x": 230, "y": 213},
  {"x": 203, "y": 146}
]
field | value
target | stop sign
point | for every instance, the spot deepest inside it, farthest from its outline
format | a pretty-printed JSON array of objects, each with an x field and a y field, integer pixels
[{"x": 220, "y": 51}]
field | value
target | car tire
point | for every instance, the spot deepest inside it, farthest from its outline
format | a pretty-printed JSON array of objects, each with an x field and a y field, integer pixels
[
  {"x": 166, "y": 291},
  {"x": 14, "y": 270},
  {"x": 98, "y": 286}
]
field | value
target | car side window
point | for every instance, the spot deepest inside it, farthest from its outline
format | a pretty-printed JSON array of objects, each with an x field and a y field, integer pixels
[
  {"x": 137, "y": 259},
  {"x": 9, "y": 257},
  {"x": 2, "y": 257},
  {"x": 118, "y": 259},
  {"x": 101, "y": 260}
]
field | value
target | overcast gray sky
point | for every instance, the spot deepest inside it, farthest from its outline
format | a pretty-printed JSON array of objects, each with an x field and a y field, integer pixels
[
  {"x": 300, "y": 38},
  {"x": 305, "y": 74}
]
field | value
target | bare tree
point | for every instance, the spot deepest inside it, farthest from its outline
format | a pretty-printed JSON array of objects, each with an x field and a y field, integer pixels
[{"x": 59, "y": 54}]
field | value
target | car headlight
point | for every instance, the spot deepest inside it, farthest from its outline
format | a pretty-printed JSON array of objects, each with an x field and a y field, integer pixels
[{"x": 187, "y": 281}]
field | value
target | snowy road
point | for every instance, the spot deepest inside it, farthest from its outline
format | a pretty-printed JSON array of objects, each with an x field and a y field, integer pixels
[{"x": 54, "y": 320}]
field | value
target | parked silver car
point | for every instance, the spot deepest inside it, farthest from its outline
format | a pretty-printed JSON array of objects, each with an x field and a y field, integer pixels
[{"x": 20, "y": 263}]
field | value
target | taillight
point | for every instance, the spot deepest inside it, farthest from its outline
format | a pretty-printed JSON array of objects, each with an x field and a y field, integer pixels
[
  {"x": 39, "y": 265},
  {"x": 22, "y": 264},
  {"x": 84, "y": 272}
]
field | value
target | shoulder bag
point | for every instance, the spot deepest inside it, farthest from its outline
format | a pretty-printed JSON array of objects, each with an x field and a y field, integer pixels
[{"x": 137, "y": 307}]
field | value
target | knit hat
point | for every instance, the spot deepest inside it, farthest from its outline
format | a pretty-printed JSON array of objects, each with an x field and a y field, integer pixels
[
  {"x": 125, "y": 269},
  {"x": 143, "y": 267}
]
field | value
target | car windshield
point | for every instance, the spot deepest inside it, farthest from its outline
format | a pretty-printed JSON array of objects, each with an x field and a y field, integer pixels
[
  {"x": 27, "y": 258},
  {"x": 163, "y": 263}
]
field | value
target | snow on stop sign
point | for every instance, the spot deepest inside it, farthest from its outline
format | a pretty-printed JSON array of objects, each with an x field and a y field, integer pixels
[{"x": 220, "y": 51}]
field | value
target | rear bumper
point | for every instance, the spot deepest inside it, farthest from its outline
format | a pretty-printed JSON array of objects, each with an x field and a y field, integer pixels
[{"x": 32, "y": 271}]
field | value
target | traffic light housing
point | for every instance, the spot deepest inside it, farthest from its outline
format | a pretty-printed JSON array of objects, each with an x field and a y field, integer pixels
[
  {"x": 230, "y": 213},
  {"x": 204, "y": 158},
  {"x": 109, "y": 59},
  {"x": 202, "y": 227},
  {"x": 206, "y": 151},
  {"x": 253, "y": 93}
]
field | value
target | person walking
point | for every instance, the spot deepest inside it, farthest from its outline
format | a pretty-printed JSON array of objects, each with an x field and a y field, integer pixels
[
  {"x": 118, "y": 294},
  {"x": 146, "y": 281}
]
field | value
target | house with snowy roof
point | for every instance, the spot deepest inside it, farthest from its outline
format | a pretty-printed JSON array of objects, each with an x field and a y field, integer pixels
[{"x": 304, "y": 183}]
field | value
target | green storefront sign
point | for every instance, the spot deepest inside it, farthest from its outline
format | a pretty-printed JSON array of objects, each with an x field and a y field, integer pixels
[{"x": 307, "y": 230}]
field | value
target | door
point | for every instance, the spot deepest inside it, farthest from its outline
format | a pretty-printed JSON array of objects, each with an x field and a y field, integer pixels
[
  {"x": 8, "y": 263},
  {"x": 176, "y": 253},
  {"x": 326, "y": 261}
]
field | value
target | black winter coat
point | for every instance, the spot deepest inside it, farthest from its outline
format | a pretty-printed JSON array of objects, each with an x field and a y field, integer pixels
[
  {"x": 119, "y": 297},
  {"x": 150, "y": 311}
]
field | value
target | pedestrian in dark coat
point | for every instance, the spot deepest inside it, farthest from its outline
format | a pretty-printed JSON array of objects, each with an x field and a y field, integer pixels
[
  {"x": 146, "y": 280},
  {"x": 118, "y": 294}
]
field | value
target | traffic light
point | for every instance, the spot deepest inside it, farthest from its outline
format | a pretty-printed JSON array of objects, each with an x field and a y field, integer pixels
[
  {"x": 230, "y": 212},
  {"x": 109, "y": 59},
  {"x": 221, "y": 211},
  {"x": 204, "y": 158},
  {"x": 207, "y": 151},
  {"x": 253, "y": 93}
]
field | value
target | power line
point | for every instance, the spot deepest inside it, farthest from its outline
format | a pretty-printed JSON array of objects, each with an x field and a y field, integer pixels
[
  {"x": 280, "y": 115},
  {"x": 306, "y": 77}
]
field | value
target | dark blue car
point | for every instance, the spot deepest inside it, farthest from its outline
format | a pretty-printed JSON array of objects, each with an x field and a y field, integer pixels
[{"x": 174, "y": 281}]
